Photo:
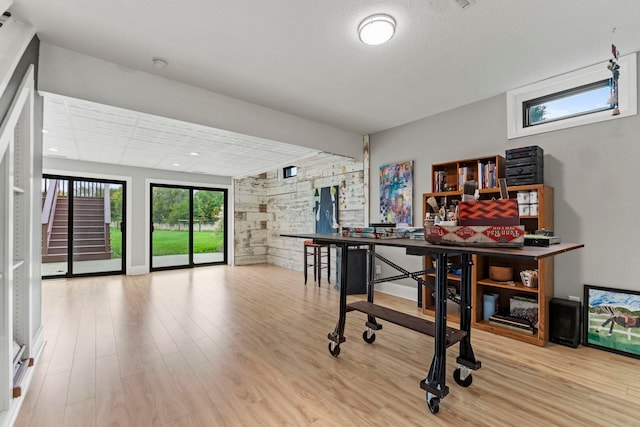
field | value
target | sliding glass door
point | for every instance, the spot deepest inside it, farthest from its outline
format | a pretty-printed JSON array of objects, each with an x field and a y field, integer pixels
[
  {"x": 170, "y": 229},
  {"x": 82, "y": 226},
  {"x": 188, "y": 226}
]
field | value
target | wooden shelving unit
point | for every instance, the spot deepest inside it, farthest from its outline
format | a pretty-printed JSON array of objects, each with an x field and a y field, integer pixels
[
  {"x": 481, "y": 284},
  {"x": 449, "y": 177}
]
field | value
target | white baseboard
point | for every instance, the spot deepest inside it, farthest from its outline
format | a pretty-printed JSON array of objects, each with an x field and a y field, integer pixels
[
  {"x": 398, "y": 290},
  {"x": 138, "y": 269}
]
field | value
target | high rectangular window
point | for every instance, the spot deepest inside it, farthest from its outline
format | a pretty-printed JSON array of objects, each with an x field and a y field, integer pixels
[
  {"x": 290, "y": 171},
  {"x": 585, "y": 99},
  {"x": 573, "y": 99}
]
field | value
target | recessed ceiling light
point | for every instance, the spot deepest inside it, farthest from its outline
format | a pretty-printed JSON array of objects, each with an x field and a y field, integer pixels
[
  {"x": 377, "y": 29},
  {"x": 176, "y": 164},
  {"x": 159, "y": 62},
  {"x": 45, "y": 131},
  {"x": 193, "y": 153},
  {"x": 53, "y": 149}
]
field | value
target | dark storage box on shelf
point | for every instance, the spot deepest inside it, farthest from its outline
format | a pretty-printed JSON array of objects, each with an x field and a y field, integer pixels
[{"x": 524, "y": 166}]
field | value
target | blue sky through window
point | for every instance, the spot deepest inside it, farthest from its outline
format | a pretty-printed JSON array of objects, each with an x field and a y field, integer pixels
[
  {"x": 578, "y": 103},
  {"x": 575, "y": 104}
]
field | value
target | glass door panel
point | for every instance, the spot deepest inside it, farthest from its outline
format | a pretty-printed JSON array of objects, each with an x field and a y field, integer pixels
[
  {"x": 209, "y": 226},
  {"x": 170, "y": 229},
  {"x": 97, "y": 227},
  {"x": 55, "y": 226}
]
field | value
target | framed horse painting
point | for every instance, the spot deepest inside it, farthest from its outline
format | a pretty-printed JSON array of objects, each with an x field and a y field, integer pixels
[{"x": 612, "y": 320}]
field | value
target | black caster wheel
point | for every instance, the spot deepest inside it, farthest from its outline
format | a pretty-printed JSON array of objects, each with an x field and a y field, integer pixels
[
  {"x": 433, "y": 403},
  {"x": 457, "y": 376},
  {"x": 369, "y": 339},
  {"x": 334, "y": 349}
]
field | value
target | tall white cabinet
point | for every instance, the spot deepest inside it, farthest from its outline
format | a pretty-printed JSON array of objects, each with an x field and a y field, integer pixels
[{"x": 21, "y": 333}]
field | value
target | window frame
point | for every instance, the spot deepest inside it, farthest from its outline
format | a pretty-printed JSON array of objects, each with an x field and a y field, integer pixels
[
  {"x": 627, "y": 97},
  {"x": 289, "y": 172}
]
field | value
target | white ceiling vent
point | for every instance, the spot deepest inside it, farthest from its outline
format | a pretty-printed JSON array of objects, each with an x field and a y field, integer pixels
[{"x": 463, "y": 4}]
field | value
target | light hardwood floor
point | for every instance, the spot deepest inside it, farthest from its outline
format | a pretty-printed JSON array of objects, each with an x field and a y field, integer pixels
[{"x": 247, "y": 346}]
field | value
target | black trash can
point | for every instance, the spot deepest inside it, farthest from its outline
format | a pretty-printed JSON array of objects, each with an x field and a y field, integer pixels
[{"x": 356, "y": 271}]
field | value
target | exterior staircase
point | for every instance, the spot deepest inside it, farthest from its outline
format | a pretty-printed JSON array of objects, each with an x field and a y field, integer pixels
[{"x": 91, "y": 240}]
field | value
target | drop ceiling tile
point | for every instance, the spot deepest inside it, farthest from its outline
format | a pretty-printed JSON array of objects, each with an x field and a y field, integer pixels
[{"x": 92, "y": 132}]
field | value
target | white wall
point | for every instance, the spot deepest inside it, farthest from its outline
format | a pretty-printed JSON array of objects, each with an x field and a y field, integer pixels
[
  {"x": 69, "y": 73},
  {"x": 592, "y": 169},
  {"x": 137, "y": 197}
]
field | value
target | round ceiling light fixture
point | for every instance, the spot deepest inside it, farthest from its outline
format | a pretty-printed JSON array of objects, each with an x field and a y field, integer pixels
[{"x": 377, "y": 29}]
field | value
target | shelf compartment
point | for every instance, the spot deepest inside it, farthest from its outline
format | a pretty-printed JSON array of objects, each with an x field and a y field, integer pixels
[
  {"x": 516, "y": 286},
  {"x": 525, "y": 336},
  {"x": 450, "y": 276}
]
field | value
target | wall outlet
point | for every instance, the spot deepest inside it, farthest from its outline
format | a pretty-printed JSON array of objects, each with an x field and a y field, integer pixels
[
  {"x": 573, "y": 298},
  {"x": 378, "y": 269}
]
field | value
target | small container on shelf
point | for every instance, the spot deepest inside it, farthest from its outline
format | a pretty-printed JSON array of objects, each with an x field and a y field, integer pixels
[
  {"x": 490, "y": 305},
  {"x": 529, "y": 278},
  {"x": 523, "y": 197},
  {"x": 500, "y": 274}
]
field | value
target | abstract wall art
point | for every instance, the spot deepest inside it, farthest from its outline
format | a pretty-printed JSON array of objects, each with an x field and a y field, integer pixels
[
  {"x": 396, "y": 193},
  {"x": 325, "y": 209}
]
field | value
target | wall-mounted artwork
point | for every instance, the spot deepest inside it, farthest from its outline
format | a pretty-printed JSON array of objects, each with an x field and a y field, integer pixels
[
  {"x": 325, "y": 209},
  {"x": 396, "y": 193},
  {"x": 612, "y": 320}
]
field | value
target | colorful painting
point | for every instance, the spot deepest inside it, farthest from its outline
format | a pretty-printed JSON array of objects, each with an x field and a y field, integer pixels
[
  {"x": 325, "y": 209},
  {"x": 612, "y": 320},
  {"x": 396, "y": 193}
]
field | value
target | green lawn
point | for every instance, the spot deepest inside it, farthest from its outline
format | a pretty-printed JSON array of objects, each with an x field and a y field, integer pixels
[
  {"x": 168, "y": 242},
  {"x": 116, "y": 242}
]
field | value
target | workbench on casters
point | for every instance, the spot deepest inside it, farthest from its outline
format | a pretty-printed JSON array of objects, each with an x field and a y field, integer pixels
[{"x": 434, "y": 384}]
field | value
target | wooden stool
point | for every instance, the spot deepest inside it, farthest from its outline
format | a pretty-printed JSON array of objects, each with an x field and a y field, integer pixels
[{"x": 320, "y": 261}]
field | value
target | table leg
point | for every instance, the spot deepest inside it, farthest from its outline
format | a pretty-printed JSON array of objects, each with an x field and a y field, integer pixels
[
  {"x": 337, "y": 336},
  {"x": 328, "y": 263},
  {"x": 434, "y": 384},
  {"x": 372, "y": 325},
  {"x": 306, "y": 262},
  {"x": 466, "y": 357},
  {"x": 315, "y": 265}
]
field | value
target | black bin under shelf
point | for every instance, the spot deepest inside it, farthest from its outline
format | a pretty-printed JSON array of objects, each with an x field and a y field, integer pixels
[
  {"x": 564, "y": 318},
  {"x": 356, "y": 271}
]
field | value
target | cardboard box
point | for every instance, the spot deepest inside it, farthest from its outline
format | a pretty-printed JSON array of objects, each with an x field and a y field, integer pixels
[
  {"x": 492, "y": 235},
  {"x": 489, "y": 212}
]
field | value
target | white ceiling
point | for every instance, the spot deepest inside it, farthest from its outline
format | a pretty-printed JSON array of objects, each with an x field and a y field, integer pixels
[
  {"x": 303, "y": 57},
  {"x": 82, "y": 130}
]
